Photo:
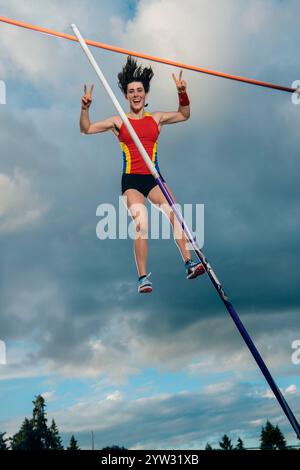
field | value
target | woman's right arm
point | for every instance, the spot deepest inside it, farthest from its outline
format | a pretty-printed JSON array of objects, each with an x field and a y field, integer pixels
[{"x": 86, "y": 126}]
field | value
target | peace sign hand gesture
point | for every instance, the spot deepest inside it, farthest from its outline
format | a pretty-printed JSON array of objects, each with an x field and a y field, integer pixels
[
  {"x": 180, "y": 84},
  {"x": 86, "y": 100}
]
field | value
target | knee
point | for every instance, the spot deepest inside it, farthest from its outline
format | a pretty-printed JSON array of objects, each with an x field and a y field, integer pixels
[
  {"x": 141, "y": 225},
  {"x": 140, "y": 216},
  {"x": 141, "y": 228}
]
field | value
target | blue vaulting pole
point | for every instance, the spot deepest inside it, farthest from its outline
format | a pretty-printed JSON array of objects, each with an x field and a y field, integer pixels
[{"x": 216, "y": 283}]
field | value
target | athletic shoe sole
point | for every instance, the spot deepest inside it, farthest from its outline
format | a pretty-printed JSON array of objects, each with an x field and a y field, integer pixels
[
  {"x": 199, "y": 270},
  {"x": 145, "y": 290}
]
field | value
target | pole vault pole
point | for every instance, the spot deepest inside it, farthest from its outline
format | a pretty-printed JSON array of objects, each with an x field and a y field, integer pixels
[
  {"x": 120, "y": 50},
  {"x": 259, "y": 360}
]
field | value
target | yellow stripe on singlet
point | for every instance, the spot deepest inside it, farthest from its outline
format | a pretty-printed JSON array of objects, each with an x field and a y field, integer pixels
[
  {"x": 154, "y": 153},
  {"x": 127, "y": 157}
]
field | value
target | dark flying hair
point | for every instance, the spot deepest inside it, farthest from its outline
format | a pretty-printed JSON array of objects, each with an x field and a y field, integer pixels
[{"x": 132, "y": 72}]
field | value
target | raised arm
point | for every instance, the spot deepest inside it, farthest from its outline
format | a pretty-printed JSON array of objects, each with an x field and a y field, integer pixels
[
  {"x": 183, "y": 112},
  {"x": 88, "y": 127}
]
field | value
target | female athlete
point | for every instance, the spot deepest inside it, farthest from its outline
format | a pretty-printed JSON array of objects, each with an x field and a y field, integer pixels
[{"x": 137, "y": 181}]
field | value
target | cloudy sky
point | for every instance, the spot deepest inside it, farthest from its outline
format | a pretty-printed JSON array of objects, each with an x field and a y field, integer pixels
[{"x": 166, "y": 370}]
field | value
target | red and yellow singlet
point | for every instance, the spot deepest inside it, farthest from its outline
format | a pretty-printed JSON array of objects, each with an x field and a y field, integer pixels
[{"x": 148, "y": 132}]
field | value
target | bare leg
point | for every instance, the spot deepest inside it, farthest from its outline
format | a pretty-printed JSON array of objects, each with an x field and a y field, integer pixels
[
  {"x": 135, "y": 203},
  {"x": 158, "y": 199}
]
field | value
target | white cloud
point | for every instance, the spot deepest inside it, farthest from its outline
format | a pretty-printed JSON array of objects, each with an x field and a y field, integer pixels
[
  {"x": 256, "y": 422},
  {"x": 291, "y": 389},
  {"x": 115, "y": 396},
  {"x": 49, "y": 396},
  {"x": 20, "y": 205},
  {"x": 46, "y": 60},
  {"x": 215, "y": 389},
  {"x": 268, "y": 394}
]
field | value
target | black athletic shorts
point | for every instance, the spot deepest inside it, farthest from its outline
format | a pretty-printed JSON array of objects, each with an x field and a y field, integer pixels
[{"x": 143, "y": 183}]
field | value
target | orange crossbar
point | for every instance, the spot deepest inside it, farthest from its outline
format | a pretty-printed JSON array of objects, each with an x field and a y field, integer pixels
[{"x": 148, "y": 57}]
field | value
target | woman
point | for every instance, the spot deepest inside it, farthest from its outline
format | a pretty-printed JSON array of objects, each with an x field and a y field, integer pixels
[{"x": 137, "y": 181}]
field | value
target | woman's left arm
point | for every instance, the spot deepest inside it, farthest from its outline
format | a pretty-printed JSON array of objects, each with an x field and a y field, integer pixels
[{"x": 183, "y": 112}]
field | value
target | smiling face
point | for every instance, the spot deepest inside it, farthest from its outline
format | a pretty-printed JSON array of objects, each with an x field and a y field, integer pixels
[{"x": 136, "y": 96}]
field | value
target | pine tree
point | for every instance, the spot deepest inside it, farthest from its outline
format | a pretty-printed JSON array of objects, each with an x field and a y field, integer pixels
[
  {"x": 208, "y": 447},
  {"x": 280, "y": 441},
  {"x": 39, "y": 421},
  {"x": 225, "y": 443},
  {"x": 240, "y": 444},
  {"x": 3, "y": 441},
  {"x": 271, "y": 438},
  {"x": 54, "y": 437},
  {"x": 34, "y": 434},
  {"x": 73, "y": 444},
  {"x": 25, "y": 438},
  {"x": 267, "y": 436}
]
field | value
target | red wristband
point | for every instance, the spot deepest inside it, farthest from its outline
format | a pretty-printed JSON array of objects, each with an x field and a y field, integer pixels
[{"x": 183, "y": 99}]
